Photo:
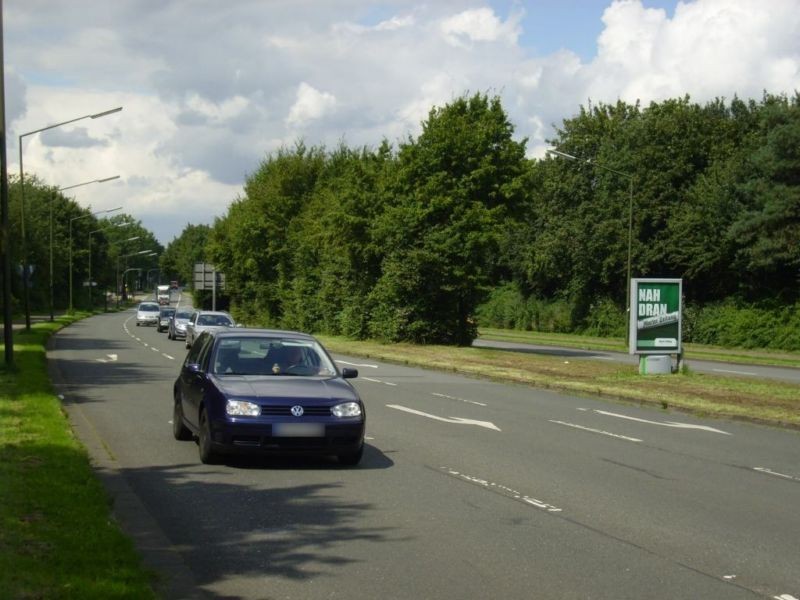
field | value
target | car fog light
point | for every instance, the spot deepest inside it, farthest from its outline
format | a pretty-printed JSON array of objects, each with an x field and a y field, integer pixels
[
  {"x": 347, "y": 409},
  {"x": 240, "y": 408}
]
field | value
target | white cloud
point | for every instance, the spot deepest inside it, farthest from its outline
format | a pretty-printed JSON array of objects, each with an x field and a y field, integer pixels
[
  {"x": 479, "y": 25},
  {"x": 310, "y": 105},
  {"x": 209, "y": 88}
]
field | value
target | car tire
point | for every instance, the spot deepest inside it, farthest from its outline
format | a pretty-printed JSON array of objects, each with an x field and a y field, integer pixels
[
  {"x": 137, "y": 323},
  {"x": 188, "y": 345},
  {"x": 179, "y": 430},
  {"x": 351, "y": 459},
  {"x": 207, "y": 454}
]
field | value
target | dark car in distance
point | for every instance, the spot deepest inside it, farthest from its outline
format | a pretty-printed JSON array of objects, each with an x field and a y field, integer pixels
[
  {"x": 165, "y": 313},
  {"x": 266, "y": 391}
]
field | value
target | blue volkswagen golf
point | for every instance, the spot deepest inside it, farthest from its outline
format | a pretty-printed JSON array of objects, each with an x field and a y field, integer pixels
[{"x": 266, "y": 391}]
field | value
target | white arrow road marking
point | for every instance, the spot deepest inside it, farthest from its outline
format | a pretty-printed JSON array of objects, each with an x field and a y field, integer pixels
[
  {"x": 456, "y": 420},
  {"x": 344, "y": 362},
  {"x": 663, "y": 424},
  {"x": 608, "y": 433},
  {"x": 111, "y": 358},
  {"x": 775, "y": 473}
]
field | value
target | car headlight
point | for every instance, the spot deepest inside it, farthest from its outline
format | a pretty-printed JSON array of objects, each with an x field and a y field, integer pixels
[
  {"x": 347, "y": 409},
  {"x": 242, "y": 408}
]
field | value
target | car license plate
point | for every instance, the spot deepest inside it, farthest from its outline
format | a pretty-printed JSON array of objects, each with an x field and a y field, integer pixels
[{"x": 298, "y": 430}]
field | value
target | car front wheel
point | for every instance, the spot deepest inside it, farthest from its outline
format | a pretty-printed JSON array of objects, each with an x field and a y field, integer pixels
[
  {"x": 179, "y": 430},
  {"x": 207, "y": 454}
]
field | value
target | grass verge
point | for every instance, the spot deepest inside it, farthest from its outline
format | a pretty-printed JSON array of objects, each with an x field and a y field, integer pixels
[
  {"x": 57, "y": 539},
  {"x": 768, "y": 402},
  {"x": 692, "y": 351}
]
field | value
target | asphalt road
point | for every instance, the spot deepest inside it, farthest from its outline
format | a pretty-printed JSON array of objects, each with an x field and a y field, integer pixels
[
  {"x": 788, "y": 374},
  {"x": 468, "y": 489}
]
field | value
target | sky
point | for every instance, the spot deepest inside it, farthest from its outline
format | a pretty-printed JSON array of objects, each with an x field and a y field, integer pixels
[{"x": 211, "y": 88}]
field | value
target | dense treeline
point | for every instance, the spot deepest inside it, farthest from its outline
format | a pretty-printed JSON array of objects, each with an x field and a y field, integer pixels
[
  {"x": 52, "y": 219},
  {"x": 407, "y": 243}
]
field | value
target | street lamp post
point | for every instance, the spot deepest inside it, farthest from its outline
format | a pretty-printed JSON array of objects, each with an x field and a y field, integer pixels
[
  {"x": 629, "y": 177},
  {"x": 69, "y": 187},
  {"x": 119, "y": 257},
  {"x": 25, "y": 294},
  {"x": 99, "y": 212},
  {"x": 91, "y": 295}
]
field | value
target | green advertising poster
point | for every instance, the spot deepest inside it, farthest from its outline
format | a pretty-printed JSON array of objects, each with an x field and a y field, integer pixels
[{"x": 656, "y": 312}]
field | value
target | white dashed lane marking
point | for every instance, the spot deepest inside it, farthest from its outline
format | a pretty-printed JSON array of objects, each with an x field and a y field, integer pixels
[
  {"x": 500, "y": 489},
  {"x": 600, "y": 431}
]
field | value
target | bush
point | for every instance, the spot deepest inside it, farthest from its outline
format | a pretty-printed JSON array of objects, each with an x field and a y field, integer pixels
[{"x": 728, "y": 324}]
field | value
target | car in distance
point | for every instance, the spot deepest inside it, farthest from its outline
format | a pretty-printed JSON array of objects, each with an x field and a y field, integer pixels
[
  {"x": 202, "y": 320},
  {"x": 177, "y": 324},
  {"x": 165, "y": 313},
  {"x": 266, "y": 391},
  {"x": 147, "y": 313}
]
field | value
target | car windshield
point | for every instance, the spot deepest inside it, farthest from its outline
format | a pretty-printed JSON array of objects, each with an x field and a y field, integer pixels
[
  {"x": 183, "y": 314},
  {"x": 167, "y": 312},
  {"x": 148, "y": 307},
  {"x": 214, "y": 320},
  {"x": 271, "y": 356}
]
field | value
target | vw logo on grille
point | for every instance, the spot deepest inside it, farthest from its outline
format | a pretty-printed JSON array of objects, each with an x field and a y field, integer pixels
[{"x": 297, "y": 411}]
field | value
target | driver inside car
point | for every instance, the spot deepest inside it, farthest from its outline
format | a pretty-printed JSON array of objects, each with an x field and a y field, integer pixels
[{"x": 286, "y": 358}]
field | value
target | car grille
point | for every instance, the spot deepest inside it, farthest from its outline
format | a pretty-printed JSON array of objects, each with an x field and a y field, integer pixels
[{"x": 286, "y": 411}]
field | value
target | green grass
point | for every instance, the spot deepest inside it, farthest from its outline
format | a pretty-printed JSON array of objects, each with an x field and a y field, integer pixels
[
  {"x": 57, "y": 538},
  {"x": 692, "y": 351},
  {"x": 769, "y": 402}
]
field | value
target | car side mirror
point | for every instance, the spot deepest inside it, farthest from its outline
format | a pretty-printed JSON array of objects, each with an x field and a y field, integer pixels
[
  {"x": 193, "y": 368},
  {"x": 348, "y": 373}
]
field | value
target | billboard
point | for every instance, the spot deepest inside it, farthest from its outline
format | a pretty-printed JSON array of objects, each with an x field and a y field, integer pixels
[{"x": 656, "y": 316}]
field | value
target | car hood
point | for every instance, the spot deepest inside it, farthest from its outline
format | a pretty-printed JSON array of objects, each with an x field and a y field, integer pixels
[{"x": 270, "y": 387}]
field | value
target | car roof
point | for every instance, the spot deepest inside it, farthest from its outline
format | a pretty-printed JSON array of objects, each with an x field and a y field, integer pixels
[
  {"x": 258, "y": 332},
  {"x": 148, "y": 303},
  {"x": 213, "y": 312}
]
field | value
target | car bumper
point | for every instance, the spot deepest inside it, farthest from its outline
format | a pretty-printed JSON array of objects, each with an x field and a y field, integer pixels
[
  {"x": 147, "y": 321},
  {"x": 237, "y": 437}
]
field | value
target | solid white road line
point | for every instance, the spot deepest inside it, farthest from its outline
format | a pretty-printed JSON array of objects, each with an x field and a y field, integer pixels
[
  {"x": 663, "y": 424},
  {"x": 775, "y": 473},
  {"x": 608, "y": 433},
  {"x": 454, "y": 420},
  {"x": 344, "y": 362},
  {"x": 379, "y": 381},
  {"x": 734, "y": 372},
  {"x": 457, "y": 398}
]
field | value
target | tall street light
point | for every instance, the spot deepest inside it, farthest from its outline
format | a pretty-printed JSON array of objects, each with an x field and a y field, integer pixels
[
  {"x": 99, "y": 212},
  {"x": 126, "y": 256},
  {"x": 26, "y": 300},
  {"x": 91, "y": 295},
  {"x": 629, "y": 177},
  {"x": 69, "y": 187}
]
